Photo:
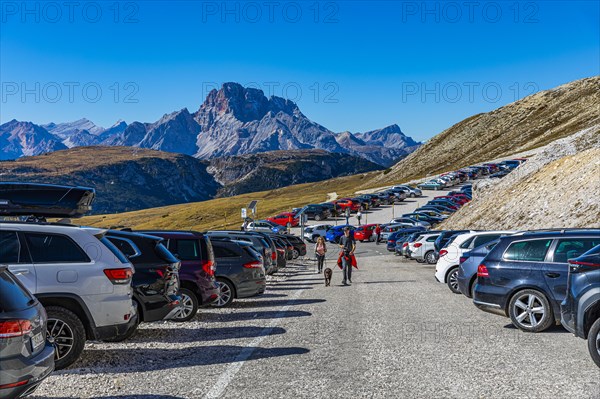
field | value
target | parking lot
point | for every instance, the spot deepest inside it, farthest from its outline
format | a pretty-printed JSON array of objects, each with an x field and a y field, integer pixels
[{"x": 395, "y": 333}]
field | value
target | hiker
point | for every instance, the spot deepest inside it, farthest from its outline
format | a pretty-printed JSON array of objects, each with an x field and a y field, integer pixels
[
  {"x": 320, "y": 250},
  {"x": 347, "y": 246},
  {"x": 358, "y": 216},
  {"x": 377, "y": 233}
]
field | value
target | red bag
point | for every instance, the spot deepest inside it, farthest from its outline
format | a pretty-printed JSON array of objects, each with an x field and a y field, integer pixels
[{"x": 352, "y": 260}]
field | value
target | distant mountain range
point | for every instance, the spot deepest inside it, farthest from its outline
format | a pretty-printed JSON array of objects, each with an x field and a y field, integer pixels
[{"x": 232, "y": 121}]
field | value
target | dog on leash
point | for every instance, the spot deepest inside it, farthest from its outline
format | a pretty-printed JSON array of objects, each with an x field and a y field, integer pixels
[{"x": 328, "y": 272}]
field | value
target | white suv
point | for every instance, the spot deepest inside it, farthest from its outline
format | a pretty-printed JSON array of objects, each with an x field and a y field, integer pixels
[
  {"x": 446, "y": 269},
  {"x": 423, "y": 249},
  {"x": 82, "y": 280}
]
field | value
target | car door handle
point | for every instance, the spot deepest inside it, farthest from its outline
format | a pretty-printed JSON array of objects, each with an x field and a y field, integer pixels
[
  {"x": 553, "y": 275},
  {"x": 20, "y": 271}
]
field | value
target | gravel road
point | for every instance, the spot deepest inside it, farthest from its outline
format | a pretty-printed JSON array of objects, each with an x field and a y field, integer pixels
[{"x": 394, "y": 333}]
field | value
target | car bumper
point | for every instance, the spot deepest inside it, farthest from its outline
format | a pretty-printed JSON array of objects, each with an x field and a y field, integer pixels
[
  {"x": 489, "y": 307},
  {"x": 113, "y": 331},
  {"x": 250, "y": 288},
  {"x": 463, "y": 285},
  {"x": 208, "y": 293},
  {"x": 34, "y": 370}
]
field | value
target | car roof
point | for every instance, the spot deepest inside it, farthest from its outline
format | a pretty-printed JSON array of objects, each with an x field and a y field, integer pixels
[{"x": 49, "y": 227}]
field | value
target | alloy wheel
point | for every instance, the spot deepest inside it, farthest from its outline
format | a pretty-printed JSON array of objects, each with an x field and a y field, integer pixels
[
  {"x": 453, "y": 281},
  {"x": 62, "y": 336},
  {"x": 529, "y": 310},
  {"x": 186, "y": 307},
  {"x": 225, "y": 295},
  {"x": 430, "y": 257},
  {"x": 598, "y": 343}
]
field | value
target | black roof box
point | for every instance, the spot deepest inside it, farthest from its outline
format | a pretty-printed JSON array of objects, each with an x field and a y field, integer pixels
[{"x": 44, "y": 200}]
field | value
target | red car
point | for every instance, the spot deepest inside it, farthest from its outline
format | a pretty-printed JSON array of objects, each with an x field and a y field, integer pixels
[
  {"x": 347, "y": 203},
  {"x": 365, "y": 232},
  {"x": 285, "y": 218}
]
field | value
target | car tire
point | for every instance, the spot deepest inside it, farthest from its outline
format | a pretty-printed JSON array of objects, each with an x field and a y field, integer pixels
[
  {"x": 189, "y": 306},
  {"x": 594, "y": 342},
  {"x": 412, "y": 195},
  {"x": 64, "y": 326},
  {"x": 430, "y": 258},
  {"x": 315, "y": 237},
  {"x": 295, "y": 254},
  {"x": 226, "y": 293},
  {"x": 521, "y": 309},
  {"x": 317, "y": 217},
  {"x": 452, "y": 281}
]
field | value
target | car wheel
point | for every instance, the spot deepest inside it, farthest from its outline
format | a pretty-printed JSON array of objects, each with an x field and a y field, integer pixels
[
  {"x": 68, "y": 335},
  {"x": 317, "y": 217},
  {"x": 452, "y": 280},
  {"x": 594, "y": 342},
  {"x": 315, "y": 237},
  {"x": 189, "y": 306},
  {"x": 226, "y": 294},
  {"x": 430, "y": 258},
  {"x": 295, "y": 254},
  {"x": 530, "y": 311},
  {"x": 412, "y": 195}
]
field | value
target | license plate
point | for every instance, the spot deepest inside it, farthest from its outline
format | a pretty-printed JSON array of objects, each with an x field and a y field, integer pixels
[{"x": 37, "y": 340}]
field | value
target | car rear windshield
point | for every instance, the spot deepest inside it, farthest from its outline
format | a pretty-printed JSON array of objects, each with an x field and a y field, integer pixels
[
  {"x": 13, "y": 296},
  {"x": 115, "y": 251}
]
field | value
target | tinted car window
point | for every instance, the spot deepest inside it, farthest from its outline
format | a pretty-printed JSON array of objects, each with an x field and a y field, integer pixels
[
  {"x": 115, "y": 251},
  {"x": 188, "y": 249},
  {"x": 125, "y": 247},
  {"x": 11, "y": 250},
  {"x": 13, "y": 296},
  {"x": 569, "y": 248},
  {"x": 532, "y": 251},
  {"x": 224, "y": 252},
  {"x": 52, "y": 248},
  {"x": 480, "y": 240}
]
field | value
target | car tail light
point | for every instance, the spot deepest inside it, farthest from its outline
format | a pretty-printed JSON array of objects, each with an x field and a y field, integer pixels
[
  {"x": 418, "y": 244},
  {"x": 405, "y": 245},
  {"x": 253, "y": 265},
  {"x": 209, "y": 267},
  {"x": 119, "y": 276},
  {"x": 462, "y": 259},
  {"x": 14, "y": 384},
  {"x": 443, "y": 252},
  {"x": 482, "y": 271},
  {"x": 579, "y": 263},
  {"x": 273, "y": 255},
  {"x": 14, "y": 328}
]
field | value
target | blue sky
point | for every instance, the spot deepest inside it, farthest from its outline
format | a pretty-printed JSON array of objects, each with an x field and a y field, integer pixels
[{"x": 350, "y": 65}]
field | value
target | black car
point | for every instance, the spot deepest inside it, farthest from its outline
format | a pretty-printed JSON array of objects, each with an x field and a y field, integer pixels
[
  {"x": 155, "y": 281},
  {"x": 282, "y": 251},
  {"x": 332, "y": 208},
  {"x": 315, "y": 212},
  {"x": 524, "y": 276},
  {"x": 260, "y": 241},
  {"x": 25, "y": 355},
  {"x": 580, "y": 311},
  {"x": 240, "y": 271},
  {"x": 298, "y": 244}
]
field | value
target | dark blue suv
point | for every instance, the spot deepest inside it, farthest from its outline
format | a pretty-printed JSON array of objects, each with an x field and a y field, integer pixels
[
  {"x": 525, "y": 276},
  {"x": 581, "y": 308}
]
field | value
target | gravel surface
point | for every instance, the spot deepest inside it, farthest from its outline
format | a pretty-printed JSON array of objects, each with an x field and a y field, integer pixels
[{"x": 394, "y": 333}]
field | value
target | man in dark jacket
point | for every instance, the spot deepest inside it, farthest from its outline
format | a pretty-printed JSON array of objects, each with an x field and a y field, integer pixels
[{"x": 347, "y": 245}]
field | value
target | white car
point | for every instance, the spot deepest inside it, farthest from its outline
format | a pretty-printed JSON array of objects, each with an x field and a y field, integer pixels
[
  {"x": 423, "y": 249},
  {"x": 446, "y": 269},
  {"x": 311, "y": 233}
]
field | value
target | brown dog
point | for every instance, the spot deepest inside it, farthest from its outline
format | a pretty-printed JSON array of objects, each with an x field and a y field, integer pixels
[{"x": 327, "y": 272}]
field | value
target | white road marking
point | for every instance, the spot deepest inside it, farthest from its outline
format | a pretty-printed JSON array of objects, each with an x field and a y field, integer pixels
[{"x": 229, "y": 374}]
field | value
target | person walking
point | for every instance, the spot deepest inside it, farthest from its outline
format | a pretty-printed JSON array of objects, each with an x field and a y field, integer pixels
[
  {"x": 347, "y": 246},
  {"x": 320, "y": 251},
  {"x": 358, "y": 216},
  {"x": 377, "y": 233}
]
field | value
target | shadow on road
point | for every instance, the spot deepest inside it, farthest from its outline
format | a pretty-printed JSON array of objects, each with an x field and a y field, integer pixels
[
  {"x": 137, "y": 360},
  {"x": 175, "y": 335},
  {"x": 120, "y": 397},
  {"x": 388, "y": 282},
  {"x": 258, "y": 315},
  {"x": 275, "y": 288},
  {"x": 275, "y": 303}
]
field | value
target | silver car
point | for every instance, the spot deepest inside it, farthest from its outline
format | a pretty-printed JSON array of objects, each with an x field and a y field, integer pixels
[
  {"x": 423, "y": 249},
  {"x": 311, "y": 233}
]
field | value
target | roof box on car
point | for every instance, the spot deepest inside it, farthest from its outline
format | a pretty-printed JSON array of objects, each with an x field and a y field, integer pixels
[{"x": 44, "y": 200}]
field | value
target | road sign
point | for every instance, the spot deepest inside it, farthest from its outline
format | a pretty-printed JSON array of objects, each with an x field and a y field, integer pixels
[{"x": 244, "y": 213}]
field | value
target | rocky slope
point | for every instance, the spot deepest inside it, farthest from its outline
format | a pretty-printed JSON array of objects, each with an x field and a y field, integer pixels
[
  {"x": 558, "y": 187},
  {"x": 125, "y": 178},
  {"x": 232, "y": 121},
  {"x": 275, "y": 169},
  {"x": 532, "y": 122}
]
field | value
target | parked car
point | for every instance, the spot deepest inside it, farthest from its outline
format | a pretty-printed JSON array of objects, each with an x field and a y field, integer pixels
[
  {"x": 400, "y": 236},
  {"x": 347, "y": 203},
  {"x": 285, "y": 219},
  {"x": 78, "y": 275},
  {"x": 365, "y": 232},
  {"x": 422, "y": 249},
  {"x": 336, "y": 232},
  {"x": 412, "y": 222},
  {"x": 525, "y": 276},
  {"x": 580, "y": 310},
  {"x": 299, "y": 246},
  {"x": 265, "y": 226},
  {"x": 27, "y": 358},
  {"x": 240, "y": 271},
  {"x": 446, "y": 269},
  {"x": 314, "y": 212},
  {"x": 393, "y": 227},
  {"x": 467, "y": 269},
  {"x": 431, "y": 185},
  {"x": 197, "y": 284},
  {"x": 334, "y": 211},
  {"x": 156, "y": 279},
  {"x": 258, "y": 240},
  {"x": 282, "y": 249},
  {"x": 432, "y": 213},
  {"x": 444, "y": 238},
  {"x": 311, "y": 233},
  {"x": 421, "y": 217},
  {"x": 412, "y": 191}
]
